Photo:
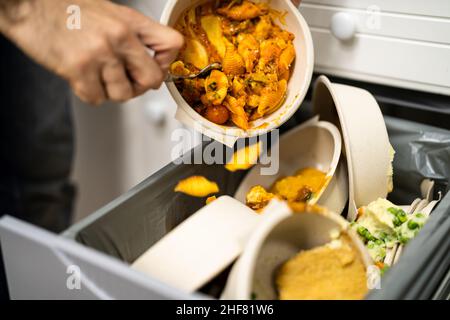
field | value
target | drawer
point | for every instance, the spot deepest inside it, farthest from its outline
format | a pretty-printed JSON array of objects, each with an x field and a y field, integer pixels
[
  {"x": 434, "y": 8},
  {"x": 396, "y": 49}
]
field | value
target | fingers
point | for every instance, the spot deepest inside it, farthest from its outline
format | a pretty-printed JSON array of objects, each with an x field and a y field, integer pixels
[
  {"x": 142, "y": 68},
  {"x": 89, "y": 88},
  {"x": 163, "y": 40},
  {"x": 117, "y": 84}
]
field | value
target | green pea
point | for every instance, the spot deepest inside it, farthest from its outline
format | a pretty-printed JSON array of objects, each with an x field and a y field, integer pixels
[
  {"x": 412, "y": 224},
  {"x": 396, "y": 221},
  {"x": 404, "y": 240},
  {"x": 393, "y": 210}
]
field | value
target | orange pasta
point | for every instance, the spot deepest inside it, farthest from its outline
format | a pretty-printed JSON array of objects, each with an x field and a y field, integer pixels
[{"x": 256, "y": 57}]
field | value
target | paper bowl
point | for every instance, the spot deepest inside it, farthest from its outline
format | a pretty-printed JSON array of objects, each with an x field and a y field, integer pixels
[
  {"x": 278, "y": 237},
  {"x": 366, "y": 143},
  {"x": 314, "y": 144},
  {"x": 200, "y": 247},
  {"x": 297, "y": 86}
]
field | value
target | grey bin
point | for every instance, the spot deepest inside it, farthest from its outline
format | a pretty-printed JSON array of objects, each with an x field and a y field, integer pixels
[{"x": 95, "y": 253}]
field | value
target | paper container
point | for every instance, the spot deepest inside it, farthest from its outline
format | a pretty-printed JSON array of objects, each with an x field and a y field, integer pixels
[
  {"x": 312, "y": 144},
  {"x": 200, "y": 247},
  {"x": 297, "y": 86},
  {"x": 366, "y": 143},
  {"x": 278, "y": 237}
]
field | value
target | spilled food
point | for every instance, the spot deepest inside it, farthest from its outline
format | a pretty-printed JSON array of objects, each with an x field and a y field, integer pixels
[
  {"x": 334, "y": 271},
  {"x": 244, "y": 158},
  {"x": 197, "y": 186},
  {"x": 301, "y": 187},
  {"x": 255, "y": 55},
  {"x": 383, "y": 225}
]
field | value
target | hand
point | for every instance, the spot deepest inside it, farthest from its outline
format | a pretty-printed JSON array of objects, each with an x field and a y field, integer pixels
[
  {"x": 296, "y": 2},
  {"x": 107, "y": 58}
]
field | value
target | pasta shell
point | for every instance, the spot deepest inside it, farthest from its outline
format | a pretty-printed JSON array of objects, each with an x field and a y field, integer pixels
[
  {"x": 213, "y": 28},
  {"x": 195, "y": 54},
  {"x": 238, "y": 114},
  {"x": 232, "y": 62},
  {"x": 197, "y": 186},
  {"x": 248, "y": 48},
  {"x": 244, "y": 11},
  {"x": 286, "y": 58},
  {"x": 244, "y": 158},
  {"x": 271, "y": 97},
  {"x": 263, "y": 28},
  {"x": 216, "y": 87},
  {"x": 240, "y": 121}
]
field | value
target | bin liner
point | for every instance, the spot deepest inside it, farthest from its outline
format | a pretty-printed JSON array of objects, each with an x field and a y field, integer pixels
[{"x": 129, "y": 225}]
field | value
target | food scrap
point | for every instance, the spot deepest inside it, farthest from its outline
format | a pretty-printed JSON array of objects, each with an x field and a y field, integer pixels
[
  {"x": 331, "y": 271},
  {"x": 210, "y": 199},
  {"x": 382, "y": 225},
  {"x": 197, "y": 186},
  {"x": 256, "y": 57},
  {"x": 244, "y": 158},
  {"x": 302, "y": 187}
]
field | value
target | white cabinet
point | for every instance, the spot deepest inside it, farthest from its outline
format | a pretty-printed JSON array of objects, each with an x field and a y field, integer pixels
[{"x": 397, "y": 43}]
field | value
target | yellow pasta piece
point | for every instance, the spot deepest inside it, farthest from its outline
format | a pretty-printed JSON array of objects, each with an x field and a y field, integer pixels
[
  {"x": 195, "y": 54},
  {"x": 178, "y": 68},
  {"x": 258, "y": 197},
  {"x": 213, "y": 28},
  {"x": 271, "y": 98},
  {"x": 232, "y": 63},
  {"x": 244, "y": 158},
  {"x": 287, "y": 56},
  {"x": 216, "y": 87},
  {"x": 244, "y": 11},
  {"x": 248, "y": 48},
  {"x": 197, "y": 186},
  {"x": 269, "y": 51},
  {"x": 263, "y": 28}
]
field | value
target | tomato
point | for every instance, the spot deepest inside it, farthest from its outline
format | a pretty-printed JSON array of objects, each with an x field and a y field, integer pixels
[{"x": 217, "y": 114}]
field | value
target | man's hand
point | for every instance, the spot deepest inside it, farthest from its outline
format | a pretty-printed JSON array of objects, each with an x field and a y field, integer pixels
[{"x": 106, "y": 59}]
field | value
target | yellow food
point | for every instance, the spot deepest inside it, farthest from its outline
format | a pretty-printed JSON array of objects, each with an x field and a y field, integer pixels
[
  {"x": 216, "y": 87},
  {"x": 197, "y": 186},
  {"x": 257, "y": 198},
  {"x": 244, "y": 158},
  {"x": 210, "y": 199},
  {"x": 256, "y": 56},
  {"x": 301, "y": 187},
  {"x": 332, "y": 271},
  {"x": 245, "y": 10}
]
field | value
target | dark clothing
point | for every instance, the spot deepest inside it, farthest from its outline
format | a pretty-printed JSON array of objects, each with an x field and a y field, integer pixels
[{"x": 36, "y": 142}]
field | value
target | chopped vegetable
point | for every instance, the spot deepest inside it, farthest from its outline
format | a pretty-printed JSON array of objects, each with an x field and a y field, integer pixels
[{"x": 384, "y": 225}]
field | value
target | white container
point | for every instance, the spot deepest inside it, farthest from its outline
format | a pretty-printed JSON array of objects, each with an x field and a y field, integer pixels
[
  {"x": 200, "y": 247},
  {"x": 278, "y": 237},
  {"x": 366, "y": 143},
  {"x": 312, "y": 144},
  {"x": 297, "y": 86}
]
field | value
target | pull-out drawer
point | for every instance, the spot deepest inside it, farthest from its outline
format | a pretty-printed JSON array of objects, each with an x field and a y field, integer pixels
[{"x": 385, "y": 43}]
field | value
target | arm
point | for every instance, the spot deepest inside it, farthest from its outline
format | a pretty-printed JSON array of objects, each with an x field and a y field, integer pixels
[{"x": 106, "y": 59}]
